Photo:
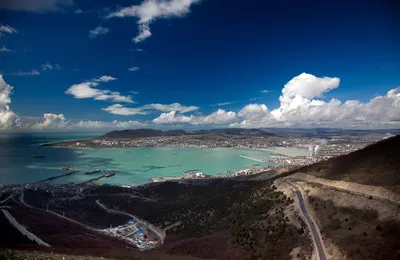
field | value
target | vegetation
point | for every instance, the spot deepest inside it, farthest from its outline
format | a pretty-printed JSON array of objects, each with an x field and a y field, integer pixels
[
  {"x": 377, "y": 164},
  {"x": 359, "y": 232},
  {"x": 252, "y": 214}
]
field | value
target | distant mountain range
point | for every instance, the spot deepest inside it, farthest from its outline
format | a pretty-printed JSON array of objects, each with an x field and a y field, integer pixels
[{"x": 140, "y": 133}]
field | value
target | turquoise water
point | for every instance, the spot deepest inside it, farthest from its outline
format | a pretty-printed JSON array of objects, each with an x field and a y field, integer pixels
[{"x": 133, "y": 166}]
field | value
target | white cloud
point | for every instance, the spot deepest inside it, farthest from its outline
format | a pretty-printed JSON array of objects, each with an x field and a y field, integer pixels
[
  {"x": 171, "y": 107},
  {"x": 217, "y": 118},
  {"x": 264, "y": 91},
  {"x": 223, "y": 104},
  {"x": 144, "y": 33},
  {"x": 8, "y": 119},
  {"x": 87, "y": 90},
  {"x": 49, "y": 66},
  {"x": 220, "y": 117},
  {"x": 134, "y": 69},
  {"x": 119, "y": 109},
  {"x": 28, "y": 73},
  {"x": 170, "y": 118},
  {"x": 139, "y": 50},
  {"x": 4, "y": 49},
  {"x": 53, "y": 121},
  {"x": 7, "y": 29},
  {"x": 299, "y": 107},
  {"x": 78, "y": 11},
  {"x": 150, "y": 10},
  {"x": 38, "y": 6},
  {"x": 104, "y": 79},
  {"x": 98, "y": 31},
  {"x": 59, "y": 122},
  {"x": 108, "y": 125}
]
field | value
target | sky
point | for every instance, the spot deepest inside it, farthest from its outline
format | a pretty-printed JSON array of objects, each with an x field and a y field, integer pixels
[{"x": 77, "y": 65}]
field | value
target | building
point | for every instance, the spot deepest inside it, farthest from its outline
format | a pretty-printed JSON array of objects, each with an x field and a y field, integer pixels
[{"x": 140, "y": 233}]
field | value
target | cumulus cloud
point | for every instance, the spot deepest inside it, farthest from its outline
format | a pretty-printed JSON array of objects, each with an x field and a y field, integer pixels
[
  {"x": 134, "y": 69},
  {"x": 119, "y": 109},
  {"x": 98, "y": 31},
  {"x": 217, "y": 118},
  {"x": 37, "y": 6},
  {"x": 171, "y": 117},
  {"x": 53, "y": 121},
  {"x": 88, "y": 89},
  {"x": 150, "y": 10},
  {"x": 8, "y": 119},
  {"x": 300, "y": 106},
  {"x": 59, "y": 122},
  {"x": 4, "y": 49}
]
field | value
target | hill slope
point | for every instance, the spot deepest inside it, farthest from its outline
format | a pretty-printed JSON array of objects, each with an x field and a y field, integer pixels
[{"x": 377, "y": 164}]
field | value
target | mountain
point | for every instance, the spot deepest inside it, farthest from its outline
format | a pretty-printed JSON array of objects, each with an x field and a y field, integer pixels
[
  {"x": 377, "y": 164},
  {"x": 140, "y": 133}
]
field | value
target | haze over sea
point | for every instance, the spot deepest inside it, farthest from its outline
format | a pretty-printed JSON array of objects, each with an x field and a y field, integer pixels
[{"x": 133, "y": 166}]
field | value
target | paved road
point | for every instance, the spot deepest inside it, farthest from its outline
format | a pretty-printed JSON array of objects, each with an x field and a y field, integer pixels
[
  {"x": 358, "y": 193},
  {"x": 21, "y": 229},
  {"x": 314, "y": 231}
]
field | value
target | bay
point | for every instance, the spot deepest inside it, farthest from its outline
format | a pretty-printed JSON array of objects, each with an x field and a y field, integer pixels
[{"x": 133, "y": 166}]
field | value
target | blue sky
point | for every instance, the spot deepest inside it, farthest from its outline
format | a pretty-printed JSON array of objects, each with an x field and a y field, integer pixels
[{"x": 200, "y": 54}]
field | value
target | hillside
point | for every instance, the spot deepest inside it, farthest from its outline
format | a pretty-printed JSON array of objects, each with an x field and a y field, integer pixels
[
  {"x": 377, "y": 164},
  {"x": 140, "y": 133},
  {"x": 143, "y": 133}
]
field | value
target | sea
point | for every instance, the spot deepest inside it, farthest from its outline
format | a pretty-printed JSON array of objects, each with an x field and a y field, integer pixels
[{"x": 133, "y": 166}]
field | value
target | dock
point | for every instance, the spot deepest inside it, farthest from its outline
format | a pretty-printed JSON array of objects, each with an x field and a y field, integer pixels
[
  {"x": 106, "y": 175},
  {"x": 163, "y": 179},
  {"x": 93, "y": 172},
  {"x": 58, "y": 176}
]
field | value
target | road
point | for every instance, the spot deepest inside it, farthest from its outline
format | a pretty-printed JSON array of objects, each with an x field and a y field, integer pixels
[
  {"x": 148, "y": 225},
  {"x": 358, "y": 193},
  {"x": 21, "y": 229},
  {"x": 21, "y": 199},
  {"x": 314, "y": 229}
]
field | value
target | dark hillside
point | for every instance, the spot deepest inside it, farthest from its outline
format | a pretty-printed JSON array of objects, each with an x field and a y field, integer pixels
[{"x": 377, "y": 164}]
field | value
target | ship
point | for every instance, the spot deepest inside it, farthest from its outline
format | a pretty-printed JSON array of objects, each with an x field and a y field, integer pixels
[
  {"x": 92, "y": 172},
  {"x": 67, "y": 168}
]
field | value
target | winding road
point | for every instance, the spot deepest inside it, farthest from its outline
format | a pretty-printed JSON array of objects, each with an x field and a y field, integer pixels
[
  {"x": 314, "y": 229},
  {"x": 159, "y": 234}
]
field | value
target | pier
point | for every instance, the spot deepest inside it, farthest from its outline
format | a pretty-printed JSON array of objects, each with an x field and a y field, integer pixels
[
  {"x": 106, "y": 175},
  {"x": 58, "y": 176}
]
